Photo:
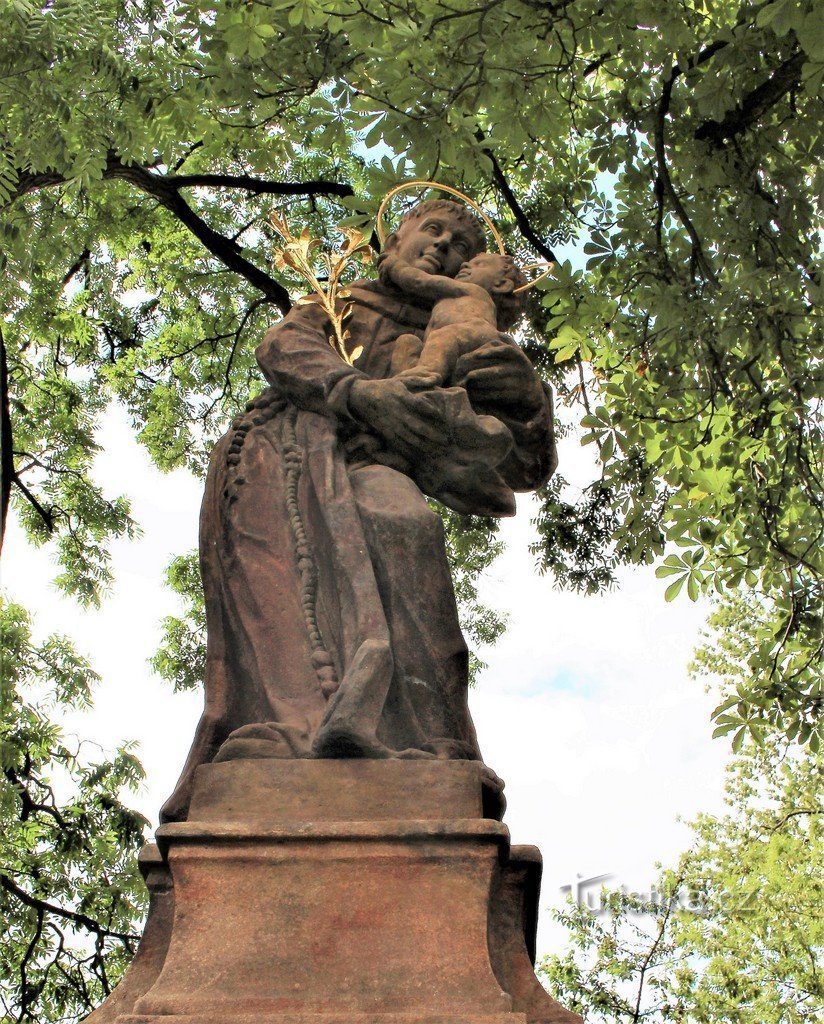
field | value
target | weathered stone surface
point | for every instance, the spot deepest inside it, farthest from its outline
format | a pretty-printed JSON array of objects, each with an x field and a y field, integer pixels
[
  {"x": 338, "y": 918},
  {"x": 265, "y": 792},
  {"x": 293, "y": 910},
  {"x": 331, "y": 1018},
  {"x": 333, "y": 629},
  {"x": 513, "y": 923},
  {"x": 151, "y": 953}
]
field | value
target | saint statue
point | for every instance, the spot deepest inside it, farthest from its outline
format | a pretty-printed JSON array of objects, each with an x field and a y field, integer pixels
[{"x": 332, "y": 625}]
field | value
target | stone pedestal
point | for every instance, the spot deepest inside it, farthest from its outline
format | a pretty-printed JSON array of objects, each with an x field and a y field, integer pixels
[{"x": 345, "y": 892}]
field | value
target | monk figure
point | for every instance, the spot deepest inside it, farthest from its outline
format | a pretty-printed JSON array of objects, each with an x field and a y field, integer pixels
[{"x": 332, "y": 624}]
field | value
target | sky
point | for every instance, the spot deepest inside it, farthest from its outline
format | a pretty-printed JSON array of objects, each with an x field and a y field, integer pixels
[{"x": 585, "y": 710}]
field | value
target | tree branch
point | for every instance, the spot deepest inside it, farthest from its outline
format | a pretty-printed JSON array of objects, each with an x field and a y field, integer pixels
[
  {"x": 518, "y": 213},
  {"x": 26, "y": 995},
  {"x": 755, "y": 104},
  {"x": 47, "y": 515},
  {"x": 27, "y": 803},
  {"x": 166, "y": 190},
  {"x": 659, "y": 938},
  {"x": 6, "y": 441},
  {"x": 259, "y": 186},
  {"x": 81, "y": 261},
  {"x": 665, "y": 182},
  {"x": 799, "y": 813},
  {"x": 227, "y": 251},
  {"x": 74, "y": 916}
]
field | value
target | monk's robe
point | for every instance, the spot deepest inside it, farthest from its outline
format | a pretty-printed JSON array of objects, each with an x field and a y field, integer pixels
[{"x": 325, "y": 572}]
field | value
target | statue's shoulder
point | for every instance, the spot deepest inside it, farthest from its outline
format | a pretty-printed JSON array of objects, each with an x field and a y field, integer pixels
[
  {"x": 389, "y": 302},
  {"x": 365, "y": 288}
]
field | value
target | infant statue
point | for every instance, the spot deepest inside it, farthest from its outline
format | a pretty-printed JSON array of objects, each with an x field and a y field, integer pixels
[{"x": 471, "y": 310}]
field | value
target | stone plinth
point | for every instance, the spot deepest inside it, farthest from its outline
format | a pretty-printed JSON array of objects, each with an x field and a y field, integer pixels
[
  {"x": 151, "y": 953},
  {"x": 346, "y": 892}
]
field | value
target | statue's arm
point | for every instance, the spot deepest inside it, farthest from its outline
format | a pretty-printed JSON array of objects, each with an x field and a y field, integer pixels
[
  {"x": 431, "y": 287},
  {"x": 534, "y": 456},
  {"x": 502, "y": 382},
  {"x": 296, "y": 357}
]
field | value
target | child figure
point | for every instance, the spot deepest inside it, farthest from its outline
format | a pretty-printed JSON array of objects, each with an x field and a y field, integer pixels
[{"x": 471, "y": 310}]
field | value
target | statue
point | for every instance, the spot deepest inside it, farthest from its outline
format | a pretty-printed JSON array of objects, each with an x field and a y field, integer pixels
[
  {"x": 332, "y": 625},
  {"x": 469, "y": 312},
  {"x": 334, "y": 848}
]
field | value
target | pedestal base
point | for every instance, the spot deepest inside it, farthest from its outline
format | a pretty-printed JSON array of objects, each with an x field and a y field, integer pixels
[
  {"x": 331, "y": 1018},
  {"x": 304, "y": 895}
]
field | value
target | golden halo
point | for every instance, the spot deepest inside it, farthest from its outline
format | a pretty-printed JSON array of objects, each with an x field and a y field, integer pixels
[
  {"x": 443, "y": 188},
  {"x": 546, "y": 264}
]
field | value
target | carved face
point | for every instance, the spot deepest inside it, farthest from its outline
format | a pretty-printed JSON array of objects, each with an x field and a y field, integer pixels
[
  {"x": 489, "y": 270},
  {"x": 436, "y": 243}
]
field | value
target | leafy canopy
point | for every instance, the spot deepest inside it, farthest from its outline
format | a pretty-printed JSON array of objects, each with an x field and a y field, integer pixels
[
  {"x": 70, "y": 894},
  {"x": 143, "y": 147},
  {"x": 734, "y": 934}
]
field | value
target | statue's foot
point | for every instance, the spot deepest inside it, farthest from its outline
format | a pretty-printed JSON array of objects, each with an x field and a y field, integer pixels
[
  {"x": 343, "y": 739},
  {"x": 414, "y": 754}
]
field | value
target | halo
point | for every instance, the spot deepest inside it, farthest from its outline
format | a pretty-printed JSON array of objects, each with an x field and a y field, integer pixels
[
  {"x": 443, "y": 188},
  {"x": 546, "y": 264}
]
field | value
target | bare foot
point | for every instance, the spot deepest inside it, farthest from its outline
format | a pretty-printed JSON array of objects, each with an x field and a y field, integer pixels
[{"x": 414, "y": 754}]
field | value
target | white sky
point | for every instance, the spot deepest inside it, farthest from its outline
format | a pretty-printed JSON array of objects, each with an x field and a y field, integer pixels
[{"x": 585, "y": 710}]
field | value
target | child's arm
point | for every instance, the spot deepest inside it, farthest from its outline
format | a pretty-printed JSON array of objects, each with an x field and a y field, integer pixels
[{"x": 422, "y": 285}]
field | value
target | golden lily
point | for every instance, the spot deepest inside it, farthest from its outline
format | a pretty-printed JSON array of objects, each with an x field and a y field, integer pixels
[{"x": 303, "y": 253}]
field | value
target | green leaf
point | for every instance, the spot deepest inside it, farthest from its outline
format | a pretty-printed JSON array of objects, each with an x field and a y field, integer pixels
[{"x": 674, "y": 589}]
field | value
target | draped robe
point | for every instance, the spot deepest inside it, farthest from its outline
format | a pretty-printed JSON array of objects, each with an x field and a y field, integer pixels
[{"x": 325, "y": 572}]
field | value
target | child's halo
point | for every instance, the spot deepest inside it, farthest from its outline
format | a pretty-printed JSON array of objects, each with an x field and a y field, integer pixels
[{"x": 547, "y": 266}]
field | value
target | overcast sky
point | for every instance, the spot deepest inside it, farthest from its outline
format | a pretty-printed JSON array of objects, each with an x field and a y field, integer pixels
[{"x": 586, "y": 710}]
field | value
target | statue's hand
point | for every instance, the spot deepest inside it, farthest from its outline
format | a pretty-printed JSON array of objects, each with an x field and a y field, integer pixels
[
  {"x": 403, "y": 418},
  {"x": 499, "y": 374},
  {"x": 451, "y": 452},
  {"x": 388, "y": 261}
]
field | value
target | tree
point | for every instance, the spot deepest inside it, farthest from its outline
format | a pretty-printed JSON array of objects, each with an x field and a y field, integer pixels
[
  {"x": 143, "y": 146},
  {"x": 70, "y": 894},
  {"x": 771, "y": 681},
  {"x": 734, "y": 933}
]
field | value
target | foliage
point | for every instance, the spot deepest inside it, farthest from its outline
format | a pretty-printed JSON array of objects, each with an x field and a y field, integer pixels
[
  {"x": 70, "y": 895},
  {"x": 616, "y": 970},
  {"x": 771, "y": 682},
  {"x": 181, "y": 657},
  {"x": 735, "y": 934},
  {"x": 472, "y": 548},
  {"x": 144, "y": 147}
]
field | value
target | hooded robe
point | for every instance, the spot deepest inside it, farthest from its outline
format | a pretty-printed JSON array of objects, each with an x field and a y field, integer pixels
[{"x": 325, "y": 572}]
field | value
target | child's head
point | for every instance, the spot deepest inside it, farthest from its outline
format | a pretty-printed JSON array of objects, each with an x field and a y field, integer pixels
[{"x": 500, "y": 276}]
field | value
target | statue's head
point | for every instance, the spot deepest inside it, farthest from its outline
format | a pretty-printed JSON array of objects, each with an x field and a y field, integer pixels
[
  {"x": 503, "y": 279},
  {"x": 437, "y": 236}
]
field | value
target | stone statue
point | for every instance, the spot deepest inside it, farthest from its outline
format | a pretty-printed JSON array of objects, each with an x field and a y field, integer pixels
[
  {"x": 470, "y": 310},
  {"x": 332, "y": 625},
  {"x": 334, "y": 849}
]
